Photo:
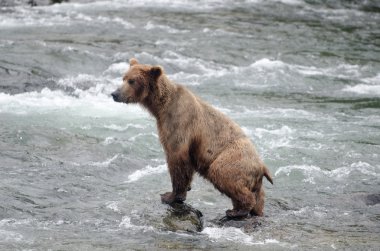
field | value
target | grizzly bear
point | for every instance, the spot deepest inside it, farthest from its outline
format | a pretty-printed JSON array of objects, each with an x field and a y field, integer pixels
[{"x": 197, "y": 138}]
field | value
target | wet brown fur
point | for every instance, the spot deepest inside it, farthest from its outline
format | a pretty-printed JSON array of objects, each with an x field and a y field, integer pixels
[{"x": 197, "y": 138}]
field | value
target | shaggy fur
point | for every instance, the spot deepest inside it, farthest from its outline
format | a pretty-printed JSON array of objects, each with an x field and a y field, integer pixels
[{"x": 197, "y": 138}]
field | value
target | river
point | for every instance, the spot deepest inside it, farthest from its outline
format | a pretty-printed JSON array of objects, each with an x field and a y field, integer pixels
[{"x": 81, "y": 172}]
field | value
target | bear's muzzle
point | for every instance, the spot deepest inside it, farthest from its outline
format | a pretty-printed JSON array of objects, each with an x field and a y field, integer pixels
[{"x": 116, "y": 95}]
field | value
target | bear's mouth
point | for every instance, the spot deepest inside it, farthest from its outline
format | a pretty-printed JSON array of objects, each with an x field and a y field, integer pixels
[
  {"x": 129, "y": 100},
  {"x": 118, "y": 97}
]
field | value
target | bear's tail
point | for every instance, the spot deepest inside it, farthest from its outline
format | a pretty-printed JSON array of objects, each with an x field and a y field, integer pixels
[{"x": 267, "y": 175}]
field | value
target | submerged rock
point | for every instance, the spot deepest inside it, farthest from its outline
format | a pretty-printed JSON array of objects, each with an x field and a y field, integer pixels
[
  {"x": 183, "y": 217},
  {"x": 372, "y": 199}
]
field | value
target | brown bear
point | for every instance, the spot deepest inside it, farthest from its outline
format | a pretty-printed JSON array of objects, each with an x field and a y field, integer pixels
[{"x": 197, "y": 138}]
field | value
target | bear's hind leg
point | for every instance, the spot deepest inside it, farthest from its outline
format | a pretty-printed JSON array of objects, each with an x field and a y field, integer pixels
[
  {"x": 235, "y": 207},
  {"x": 230, "y": 174}
]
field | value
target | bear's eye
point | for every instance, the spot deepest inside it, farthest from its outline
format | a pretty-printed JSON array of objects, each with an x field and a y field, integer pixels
[{"x": 131, "y": 81}]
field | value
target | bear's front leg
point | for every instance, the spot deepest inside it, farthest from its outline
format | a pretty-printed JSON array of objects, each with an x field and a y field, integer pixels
[{"x": 181, "y": 177}]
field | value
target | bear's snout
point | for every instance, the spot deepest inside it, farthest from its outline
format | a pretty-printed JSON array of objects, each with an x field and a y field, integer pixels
[{"x": 116, "y": 95}]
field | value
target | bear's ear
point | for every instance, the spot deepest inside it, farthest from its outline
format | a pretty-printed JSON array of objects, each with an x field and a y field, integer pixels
[
  {"x": 133, "y": 61},
  {"x": 155, "y": 72}
]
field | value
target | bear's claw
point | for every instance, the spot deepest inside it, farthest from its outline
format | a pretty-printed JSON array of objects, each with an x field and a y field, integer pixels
[
  {"x": 237, "y": 213},
  {"x": 169, "y": 198}
]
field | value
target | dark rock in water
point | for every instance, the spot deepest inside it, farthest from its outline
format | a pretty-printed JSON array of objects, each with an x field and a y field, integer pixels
[
  {"x": 248, "y": 224},
  {"x": 183, "y": 217},
  {"x": 32, "y": 3},
  {"x": 45, "y": 2},
  {"x": 24, "y": 2},
  {"x": 9, "y": 3},
  {"x": 372, "y": 199},
  {"x": 58, "y": 1}
]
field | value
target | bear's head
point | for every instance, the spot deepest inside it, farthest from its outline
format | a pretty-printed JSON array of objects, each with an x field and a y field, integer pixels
[{"x": 138, "y": 83}]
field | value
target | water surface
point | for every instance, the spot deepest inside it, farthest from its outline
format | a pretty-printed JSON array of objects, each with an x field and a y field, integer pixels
[{"x": 79, "y": 171}]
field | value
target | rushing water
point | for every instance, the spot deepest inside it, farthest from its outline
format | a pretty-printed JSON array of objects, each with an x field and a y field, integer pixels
[{"x": 81, "y": 172}]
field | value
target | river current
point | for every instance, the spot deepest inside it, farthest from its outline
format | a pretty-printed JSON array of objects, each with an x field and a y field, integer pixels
[{"x": 81, "y": 172}]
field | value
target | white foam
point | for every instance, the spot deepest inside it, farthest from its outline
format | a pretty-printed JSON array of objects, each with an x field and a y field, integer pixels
[
  {"x": 123, "y": 128},
  {"x": 340, "y": 71},
  {"x": 194, "y": 71},
  {"x": 126, "y": 222},
  {"x": 283, "y": 131},
  {"x": 273, "y": 138},
  {"x": 268, "y": 64},
  {"x": 366, "y": 168},
  {"x": 118, "y": 20},
  {"x": 311, "y": 172},
  {"x": 133, "y": 138},
  {"x": 146, "y": 171},
  {"x": 235, "y": 235},
  {"x": 120, "y": 4},
  {"x": 80, "y": 80},
  {"x": 114, "y": 206},
  {"x": 10, "y": 236},
  {"x": 94, "y": 101},
  {"x": 373, "y": 90},
  {"x": 108, "y": 140},
  {"x": 319, "y": 212},
  {"x": 373, "y": 80},
  {"x": 290, "y": 2},
  {"x": 152, "y": 26},
  {"x": 55, "y": 16},
  {"x": 69, "y": 49},
  {"x": 12, "y": 221},
  {"x": 86, "y": 85},
  {"x": 6, "y": 43},
  {"x": 23, "y": 17},
  {"x": 189, "y": 79},
  {"x": 46, "y": 98},
  {"x": 308, "y": 170},
  {"x": 309, "y": 70},
  {"x": 117, "y": 68},
  {"x": 105, "y": 163},
  {"x": 101, "y": 20},
  {"x": 188, "y": 69}
]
